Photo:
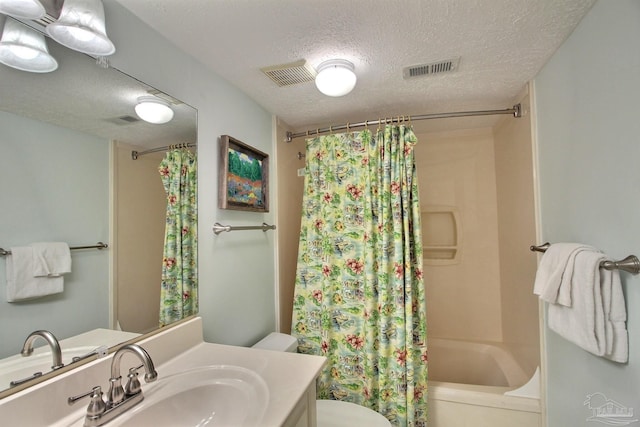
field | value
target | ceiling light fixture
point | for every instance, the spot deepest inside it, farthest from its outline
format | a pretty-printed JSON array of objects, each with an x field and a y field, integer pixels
[
  {"x": 26, "y": 9},
  {"x": 25, "y": 49},
  {"x": 153, "y": 110},
  {"x": 81, "y": 27},
  {"x": 336, "y": 77}
]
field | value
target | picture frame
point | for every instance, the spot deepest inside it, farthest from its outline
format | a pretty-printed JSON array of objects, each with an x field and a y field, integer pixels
[{"x": 243, "y": 176}]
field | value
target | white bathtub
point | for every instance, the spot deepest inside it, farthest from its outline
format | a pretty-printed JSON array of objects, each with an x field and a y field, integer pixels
[{"x": 467, "y": 382}]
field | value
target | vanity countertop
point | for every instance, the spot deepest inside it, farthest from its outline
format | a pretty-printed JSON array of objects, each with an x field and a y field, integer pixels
[{"x": 288, "y": 377}]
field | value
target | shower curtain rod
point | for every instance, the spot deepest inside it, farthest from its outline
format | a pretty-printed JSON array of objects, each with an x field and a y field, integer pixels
[
  {"x": 135, "y": 154},
  {"x": 516, "y": 110}
]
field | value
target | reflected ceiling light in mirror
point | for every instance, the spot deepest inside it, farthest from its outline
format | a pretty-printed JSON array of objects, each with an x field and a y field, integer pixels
[
  {"x": 25, "y": 49},
  {"x": 81, "y": 27},
  {"x": 153, "y": 110},
  {"x": 26, "y": 9},
  {"x": 336, "y": 77}
]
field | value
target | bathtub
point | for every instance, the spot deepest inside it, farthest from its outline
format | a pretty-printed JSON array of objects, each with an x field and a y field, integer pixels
[{"x": 467, "y": 386}]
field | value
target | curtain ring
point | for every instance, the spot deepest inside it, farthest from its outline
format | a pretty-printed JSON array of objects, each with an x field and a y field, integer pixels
[
  {"x": 307, "y": 132},
  {"x": 330, "y": 130},
  {"x": 348, "y": 128},
  {"x": 317, "y": 131}
]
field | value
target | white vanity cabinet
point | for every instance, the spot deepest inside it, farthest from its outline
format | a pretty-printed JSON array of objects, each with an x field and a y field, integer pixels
[{"x": 304, "y": 413}]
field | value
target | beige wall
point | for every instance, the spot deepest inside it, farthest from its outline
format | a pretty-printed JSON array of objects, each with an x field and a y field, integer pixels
[
  {"x": 139, "y": 216},
  {"x": 516, "y": 218},
  {"x": 457, "y": 168},
  {"x": 290, "y": 188}
]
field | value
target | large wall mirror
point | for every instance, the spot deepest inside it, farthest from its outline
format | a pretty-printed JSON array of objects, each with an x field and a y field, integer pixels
[{"x": 68, "y": 176}]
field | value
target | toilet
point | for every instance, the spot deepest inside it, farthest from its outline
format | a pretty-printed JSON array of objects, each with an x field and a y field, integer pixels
[{"x": 329, "y": 413}]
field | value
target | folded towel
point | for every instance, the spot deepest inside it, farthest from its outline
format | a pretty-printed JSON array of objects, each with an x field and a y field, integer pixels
[
  {"x": 615, "y": 318},
  {"x": 553, "y": 278},
  {"x": 595, "y": 321},
  {"x": 51, "y": 259},
  {"x": 21, "y": 284}
]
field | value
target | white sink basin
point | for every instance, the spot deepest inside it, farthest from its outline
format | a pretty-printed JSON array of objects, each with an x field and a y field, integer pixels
[{"x": 218, "y": 395}]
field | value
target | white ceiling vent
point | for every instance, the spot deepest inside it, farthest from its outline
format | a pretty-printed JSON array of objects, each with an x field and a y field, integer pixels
[
  {"x": 123, "y": 120},
  {"x": 290, "y": 74},
  {"x": 439, "y": 67}
]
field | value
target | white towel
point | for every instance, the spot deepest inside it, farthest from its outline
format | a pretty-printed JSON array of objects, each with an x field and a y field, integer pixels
[
  {"x": 615, "y": 318},
  {"x": 51, "y": 259},
  {"x": 553, "y": 278},
  {"x": 595, "y": 321},
  {"x": 21, "y": 283}
]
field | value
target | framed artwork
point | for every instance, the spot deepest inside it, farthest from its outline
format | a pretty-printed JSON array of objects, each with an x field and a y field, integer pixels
[{"x": 243, "y": 177}]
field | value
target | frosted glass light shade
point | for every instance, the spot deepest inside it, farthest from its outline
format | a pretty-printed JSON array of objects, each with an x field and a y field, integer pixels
[
  {"x": 81, "y": 27},
  {"x": 336, "y": 77},
  {"x": 26, "y": 9},
  {"x": 25, "y": 49},
  {"x": 153, "y": 110}
]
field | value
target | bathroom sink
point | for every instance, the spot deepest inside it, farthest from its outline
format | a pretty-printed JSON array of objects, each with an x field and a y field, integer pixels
[
  {"x": 17, "y": 367},
  {"x": 217, "y": 395}
]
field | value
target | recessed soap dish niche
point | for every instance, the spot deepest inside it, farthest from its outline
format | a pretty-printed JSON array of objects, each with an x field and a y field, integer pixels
[{"x": 441, "y": 235}]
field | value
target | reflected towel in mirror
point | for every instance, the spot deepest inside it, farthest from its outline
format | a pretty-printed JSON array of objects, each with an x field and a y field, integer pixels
[
  {"x": 21, "y": 283},
  {"x": 51, "y": 259}
]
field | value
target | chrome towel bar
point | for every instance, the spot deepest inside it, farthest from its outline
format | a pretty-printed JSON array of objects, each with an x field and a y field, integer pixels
[
  {"x": 630, "y": 264},
  {"x": 99, "y": 246},
  {"x": 219, "y": 228}
]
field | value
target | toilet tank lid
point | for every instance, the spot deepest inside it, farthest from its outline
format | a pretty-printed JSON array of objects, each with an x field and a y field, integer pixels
[{"x": 278, "y": 341}]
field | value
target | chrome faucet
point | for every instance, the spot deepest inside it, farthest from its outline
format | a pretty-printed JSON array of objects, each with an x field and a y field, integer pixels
[
  {"x": 116, "y": 392},
  {"x": 119, "y": 399},
  {"x": 56, "y": 352}
]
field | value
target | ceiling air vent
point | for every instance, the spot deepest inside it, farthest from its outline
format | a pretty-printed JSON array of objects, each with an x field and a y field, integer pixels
[
  {"x": 123, "y": 120},
  {"x": 290, "y": 74},
  {"x": 439, "y": 67}
]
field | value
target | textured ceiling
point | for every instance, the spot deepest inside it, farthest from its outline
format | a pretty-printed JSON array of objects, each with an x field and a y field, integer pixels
[
  {"x": 82, "y": 96},
  {"x": 502, "y": 44}
]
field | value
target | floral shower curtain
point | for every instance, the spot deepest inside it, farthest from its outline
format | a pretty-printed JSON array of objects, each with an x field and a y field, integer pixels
[
  {"x": 179, "y": 288},
  {"x": 359, "y": 295}
]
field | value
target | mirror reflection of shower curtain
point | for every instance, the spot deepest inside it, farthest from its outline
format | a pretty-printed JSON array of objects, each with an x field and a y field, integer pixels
[
  {"x": 179, "y": 287},
  {"x": 359, "y": 294}
]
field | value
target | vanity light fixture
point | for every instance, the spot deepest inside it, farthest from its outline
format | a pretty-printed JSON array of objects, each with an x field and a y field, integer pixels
[
  {"x": 336, "y": 77},
  {"x": 81, "y": 27},
  {"x": 25, "y": 49},
  {"x": 26, "y": 9},
  {"x": 153, "y": 110}
]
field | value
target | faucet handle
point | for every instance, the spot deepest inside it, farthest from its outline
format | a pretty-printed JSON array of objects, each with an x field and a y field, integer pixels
[
  {"x": 133, "y": 384},
  {"x": 96, "y": 406},
  {"x": 116, "y": 392}
]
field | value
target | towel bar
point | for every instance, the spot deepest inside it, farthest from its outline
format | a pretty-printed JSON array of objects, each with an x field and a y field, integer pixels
[
  {"x": 630, "y": 264},
  {"x": 219, "y": 228},
  {"x": 99, "y": 245}
]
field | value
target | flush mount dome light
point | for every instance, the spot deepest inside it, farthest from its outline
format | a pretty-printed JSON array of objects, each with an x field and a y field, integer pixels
[
  {"x": 26, "y": 9},
  {"x": 81, "y": 27},
  {"x": 153, "y": 110},
  {"x": 336, "y": 77},
  {"x": 23, "y": 48}
]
